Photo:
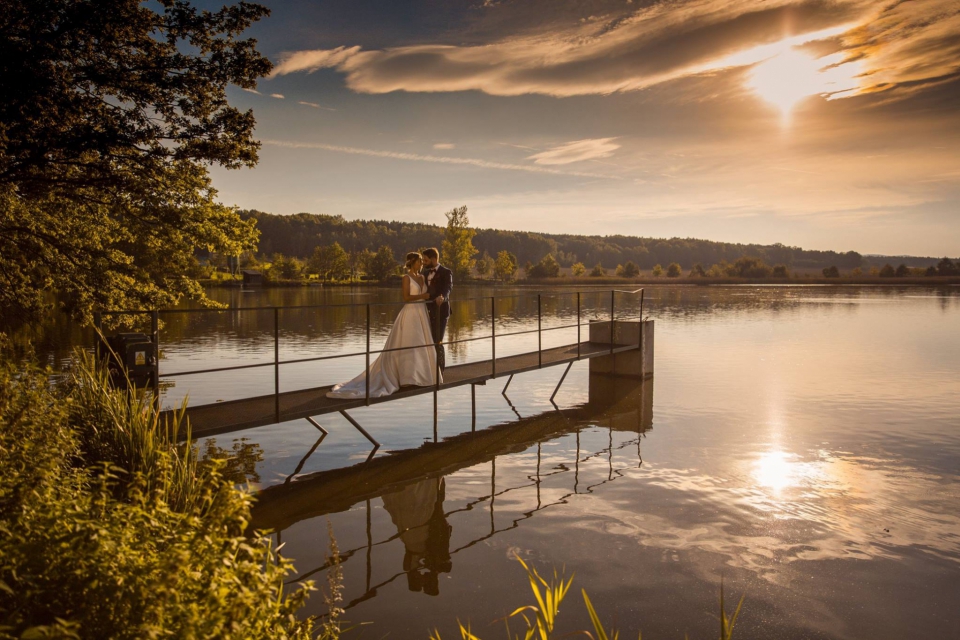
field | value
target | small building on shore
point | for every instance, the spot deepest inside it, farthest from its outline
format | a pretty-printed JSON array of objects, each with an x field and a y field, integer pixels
[{"x": 252, "y": 278}]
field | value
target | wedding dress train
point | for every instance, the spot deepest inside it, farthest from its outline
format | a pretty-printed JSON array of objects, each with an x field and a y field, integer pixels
[{"x": 394, "y": 369}]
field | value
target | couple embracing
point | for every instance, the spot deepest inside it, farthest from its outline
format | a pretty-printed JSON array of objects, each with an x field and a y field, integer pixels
[{"x": 415, "y": 342}]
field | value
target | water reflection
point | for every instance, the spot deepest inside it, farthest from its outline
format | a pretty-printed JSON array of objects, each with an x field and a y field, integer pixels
[{"x": 417, "y": 512}]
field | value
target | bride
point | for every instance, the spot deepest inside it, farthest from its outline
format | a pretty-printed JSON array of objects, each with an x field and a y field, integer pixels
[{"x": 409, "y": 366}]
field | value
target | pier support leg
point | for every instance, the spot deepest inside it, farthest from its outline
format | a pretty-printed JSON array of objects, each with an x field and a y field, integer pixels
[
  {"x": 562, "y": 378},
  {"x": 509, "y": 380},
  {"x": 316, "y": 444},
  {"x": 376, "y": 445}
]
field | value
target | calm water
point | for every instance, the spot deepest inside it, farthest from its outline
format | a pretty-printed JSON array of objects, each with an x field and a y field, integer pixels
[{"x": 802, "y": 443}]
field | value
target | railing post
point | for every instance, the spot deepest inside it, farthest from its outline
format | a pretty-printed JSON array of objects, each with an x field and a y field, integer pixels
[
  {"x": 155, "y": 338},
  {"x": 612, "y": 294},
  {"x": 493, "y": 333},
  {"x": 276, "y": 363},
  {"x": 641, "y": 305},
  {"x": 539, "y": 333},
  {"x": 367, "y": 376},
  {"x": 578, "y": 325}
]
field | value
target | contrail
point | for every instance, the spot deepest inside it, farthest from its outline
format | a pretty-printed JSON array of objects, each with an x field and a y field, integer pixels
[{"x": 476, "y": 162}]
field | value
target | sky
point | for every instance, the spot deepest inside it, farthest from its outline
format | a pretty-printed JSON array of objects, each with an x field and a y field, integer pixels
[{"x": 826, "y": 124}]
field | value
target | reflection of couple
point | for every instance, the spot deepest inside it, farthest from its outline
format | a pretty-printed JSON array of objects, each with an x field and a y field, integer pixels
[
  {"x": 402, "y": 363},
  {"x": 417, "y": 512}
]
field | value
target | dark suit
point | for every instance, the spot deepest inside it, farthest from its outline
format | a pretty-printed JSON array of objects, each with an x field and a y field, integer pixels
[{"x": 439, "y": 283}]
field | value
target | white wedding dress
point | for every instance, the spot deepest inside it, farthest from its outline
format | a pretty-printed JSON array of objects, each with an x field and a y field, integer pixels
[{"x": 395, "y": 369}]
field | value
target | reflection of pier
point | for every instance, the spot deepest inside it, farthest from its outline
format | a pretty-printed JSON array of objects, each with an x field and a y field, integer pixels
[
  {"x": 410, "y": 483},
  {"x": 617, "y": 345}
]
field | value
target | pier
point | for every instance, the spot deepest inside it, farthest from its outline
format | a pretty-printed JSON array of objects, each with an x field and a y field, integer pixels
[{"x": 618, "y": 345}]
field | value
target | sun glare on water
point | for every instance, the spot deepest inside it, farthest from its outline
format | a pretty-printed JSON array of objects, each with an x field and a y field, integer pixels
[{"x": 791, "y": 76}]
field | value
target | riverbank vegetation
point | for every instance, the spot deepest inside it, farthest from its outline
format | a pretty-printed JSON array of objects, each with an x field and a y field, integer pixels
[{"x": 110, "y": 528}]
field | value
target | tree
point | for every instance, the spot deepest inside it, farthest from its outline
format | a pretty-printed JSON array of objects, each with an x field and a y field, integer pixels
[
  {"x": 485, "y": 265},
  {"x": 527, "y": 268},
  {"x": 505, "y": 268},
  {"x": 780, "y": 271},
  {"x": 947, "y": 267},
  {"x": 578, "y": 269},
  {"x": 331, "y": 262},
  {"x": 902, "y": 271},
  {"x": 111, "y": 113},
  {"x": 697, "y": 271},
  {"x": 628, "y": 270},
  {"x": 887, "y": 271},
  {"x": 548, "y": 267},
  {"x": 359, "y": 261},
  {"x": 657, "y": 271},
  {"x": 285, "y": 267},
  {"x": 598, "y": 271},
  {"x": 748, "y": 267},
  {"x": 383, "y": 264},
  {"x": 458, "y": 249},
  {"x": 857, "y": 272},
  {"x": 831, "y": 272},
  {"x": 674, "y": 270}
]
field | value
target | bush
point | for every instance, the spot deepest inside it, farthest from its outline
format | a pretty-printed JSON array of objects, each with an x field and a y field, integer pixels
[
  {"x": 902, "y": 271},
  {"x": 548, "y": 267},
  {"x": 697, "y": 271},
  {"x": 109, "y": 530},
  {"x": 748, "y": 267},
  {"x": 505, "y": 267},
  {"x": 628, "y": 270},
  {"x": 780, "y": 271},
  {"x": 831, "y": 272},
  {"x": 947, "y": 267},
  {"x": 578, "y": 269},
  {"x": 598, "y": 271},
  {"x": 674, "y": 270},
  {"x": 657, "y": 271},
  {"x": 887, "y": 271}
]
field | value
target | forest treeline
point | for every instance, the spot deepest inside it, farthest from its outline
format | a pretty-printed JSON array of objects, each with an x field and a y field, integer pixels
[{"x": 300, "y": 234}]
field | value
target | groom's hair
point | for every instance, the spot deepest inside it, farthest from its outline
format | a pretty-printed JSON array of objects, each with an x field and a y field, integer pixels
[{"x": 431, "y": 253}]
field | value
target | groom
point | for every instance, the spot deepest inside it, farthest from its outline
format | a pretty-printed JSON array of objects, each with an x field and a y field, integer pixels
[{"x": 439, "y": 284}]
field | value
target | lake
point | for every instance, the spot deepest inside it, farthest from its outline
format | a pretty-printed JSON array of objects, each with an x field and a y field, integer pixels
[{"x": 800, "y": 443}]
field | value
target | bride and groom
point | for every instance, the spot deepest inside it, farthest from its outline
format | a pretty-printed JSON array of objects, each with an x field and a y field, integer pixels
[{"x": 415, "y": 342}]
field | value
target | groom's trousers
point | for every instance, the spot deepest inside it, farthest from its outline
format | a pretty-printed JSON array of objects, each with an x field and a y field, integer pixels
[{"x": 438, "y": 326}]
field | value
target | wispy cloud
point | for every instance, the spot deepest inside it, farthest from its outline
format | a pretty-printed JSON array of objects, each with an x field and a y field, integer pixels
[
  {"x": 896, "y": 42},
  {"x": 444, "y": 145},
  {"x": 577, "y": 151},
  {"x": 279, "y": 96},
  {"x": 252, "y": 91},
  {"x": 475, "y": 162},
  {"x": 314, "y": 105}
]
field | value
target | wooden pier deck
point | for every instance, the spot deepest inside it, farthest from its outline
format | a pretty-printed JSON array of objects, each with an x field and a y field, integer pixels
[{"x": 247, "y": 413}]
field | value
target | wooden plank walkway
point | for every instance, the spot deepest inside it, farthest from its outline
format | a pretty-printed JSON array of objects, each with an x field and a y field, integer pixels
[{"x": 247, "y": 413}]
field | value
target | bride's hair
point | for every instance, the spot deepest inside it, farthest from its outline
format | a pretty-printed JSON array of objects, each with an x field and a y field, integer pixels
[{"x": 412, "y": 257}]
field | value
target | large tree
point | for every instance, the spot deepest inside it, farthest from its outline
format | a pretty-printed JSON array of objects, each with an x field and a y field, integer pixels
[
  {"x": 111, "y": 113},
  {"x": 458, "y": 249}
]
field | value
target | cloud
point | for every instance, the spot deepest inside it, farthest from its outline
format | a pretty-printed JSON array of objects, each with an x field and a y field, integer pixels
[
  {"x": 577, "y": 151},
  {"x": 444, "y": 145},
  {"x": 314, "y": 105},
  {"x": 279, "y": 96},
  {"x": 252, "y": 91},
  {"x": 476, "y": 162},
  {"x": 897, "y": 42}
]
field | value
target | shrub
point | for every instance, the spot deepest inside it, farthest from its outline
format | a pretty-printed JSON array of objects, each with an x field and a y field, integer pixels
[
  {"x": 108, "y": 531},
  {"x": 947, "y": 267},
  {"x": 748, "y": 267},
  {"x": 674, "y": 270},
  {"x": 505, "y": 267},
  {"x": 780, "y": 271},
  {"x": 657, "y": 271},
  {"x": 831, "y": 272},
  {"x": 887, "y": 271},
  {"x": 578, "y": 269},
  {"x": 697, "y": 271},
  {"x": 902, "y": 271},
  {"x": 628, "y": 270},
  {"x": 857, "y": 272},
  {"x": 598, "y": 271},
  {"x": 548, "y": 267}
]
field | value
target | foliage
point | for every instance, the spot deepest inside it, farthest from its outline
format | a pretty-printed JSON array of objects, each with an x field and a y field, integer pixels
[
  {"x": 111, "y": 113},
  {"x": 748, "y": 267},
  {"x": 657, "y": 271},
  {"x": 577, "y": 269},
  {"x": 540, "y": 618},
  {"x": 485, "y": 265},
  {"x": 505, "y": 268},
  {"x": 110, "y": 530},
  {"x": 831, "y": 272},
  {"x": 382, "y": 265},
  {"x": 598, "y": 271},
  {"x": 628, "y": 270},
  {"x": 946, "y": 267},
  {"x": 887, "y": 271},
  {"x": 299, "y": 234},
  {"x": 285, "y": 268},
  {"x": 548, "y": 267},
  {"x": 674, "y": 270},
  {"x": 780, "y": 271},
  {"x": 458, "y": 249},
  {"x": 902, "y": 271},
  {"x": 696, "y": 271},
  {"x": 330, "y": 262}
]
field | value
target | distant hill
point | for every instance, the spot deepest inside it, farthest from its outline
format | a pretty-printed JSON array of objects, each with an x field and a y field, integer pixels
[{"x": 298, "y": 235}]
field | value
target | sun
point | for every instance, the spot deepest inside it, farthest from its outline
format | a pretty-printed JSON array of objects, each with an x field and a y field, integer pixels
[{"x": 791, "y": 76}]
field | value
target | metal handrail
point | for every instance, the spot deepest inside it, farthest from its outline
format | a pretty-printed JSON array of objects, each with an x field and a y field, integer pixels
[{"x": 155, "y": 334}]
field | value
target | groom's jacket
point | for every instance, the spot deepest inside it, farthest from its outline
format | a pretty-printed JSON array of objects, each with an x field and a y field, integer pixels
[{"x": 441, "y": 284}]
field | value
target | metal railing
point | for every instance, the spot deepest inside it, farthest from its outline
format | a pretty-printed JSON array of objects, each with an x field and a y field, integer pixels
[{"x": 277, "y": 362}]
